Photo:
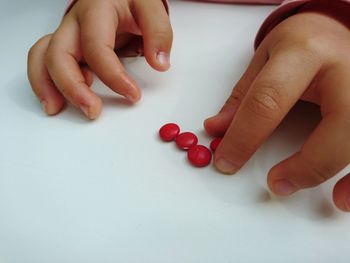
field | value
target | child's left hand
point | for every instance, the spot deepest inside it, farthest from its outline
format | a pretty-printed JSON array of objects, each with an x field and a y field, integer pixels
[{"x": 305, "y": 57}]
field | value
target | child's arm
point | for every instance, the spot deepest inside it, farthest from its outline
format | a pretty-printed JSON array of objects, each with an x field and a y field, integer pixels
[
  {"x": 59, "y": 64},
  {"x": 305, "y": 56}
]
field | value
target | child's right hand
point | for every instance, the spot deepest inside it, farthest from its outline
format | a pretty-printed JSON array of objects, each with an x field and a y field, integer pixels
[
  {"x": 59, "y": 64},
  {"x": 305, "y": 57}
]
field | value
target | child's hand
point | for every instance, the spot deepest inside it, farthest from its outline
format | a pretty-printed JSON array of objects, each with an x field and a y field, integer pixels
[
  {"x": 305, "y": 57},
  {"x": 59, "y": 64}
]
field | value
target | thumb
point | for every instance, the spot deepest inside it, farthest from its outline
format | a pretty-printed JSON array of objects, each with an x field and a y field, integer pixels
[{"x": 153, "y": 20}]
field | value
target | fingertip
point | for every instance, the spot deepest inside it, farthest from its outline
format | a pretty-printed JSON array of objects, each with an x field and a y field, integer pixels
[
  {"x": 42, "y": 85},
  {"x": 133, "y": 99},
  {"x": 157, "y": 32},
  {"x": 217, "y": 125},
  {"x": 50, "y": 99},
  {"x": 225, "y": 166},
  {"x": 283, "y": 187},
  {"x": 208, "y": 125},
  {"x": 131, "y": 91},
  {"x": 92, "y": 110},
  {"x": 272, "y": 176},
  {"x": 159, "y": 61},
  {"x": 341, "y": 194},
  {"x": 163, "y": 59},
  {"x": 279, "y": 182},
  {"x": 52, "y": 106}
]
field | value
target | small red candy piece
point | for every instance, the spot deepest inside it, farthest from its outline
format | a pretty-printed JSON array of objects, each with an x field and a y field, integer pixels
[
  {"x": 169, "y": 131},
  {"x": 199, "y": 155},
  {"x": 215, "y": 143},
  {"x": 186, "y": 140}
]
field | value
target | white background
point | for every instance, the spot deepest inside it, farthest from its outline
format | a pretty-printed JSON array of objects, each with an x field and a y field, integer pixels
[{"x": 73, "y": 191}]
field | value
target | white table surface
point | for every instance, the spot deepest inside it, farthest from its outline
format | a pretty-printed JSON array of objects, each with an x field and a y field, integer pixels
[{"x": 73, "y": 190}]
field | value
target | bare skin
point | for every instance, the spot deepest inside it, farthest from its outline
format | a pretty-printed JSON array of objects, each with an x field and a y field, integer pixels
[
  {"x": 88, "y": 35},
  {"x": 304, "y": 57}
]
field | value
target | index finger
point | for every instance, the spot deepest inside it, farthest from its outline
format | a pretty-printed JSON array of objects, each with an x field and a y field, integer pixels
[
  {"x": 98, "y": 33},
  {"x": 272, "y": 94}
]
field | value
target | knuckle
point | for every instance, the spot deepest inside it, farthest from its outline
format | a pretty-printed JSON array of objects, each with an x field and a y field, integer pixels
[
  {"x": 31, "y": 57},
  {"x": 317, "y": 173},
  {"x": 243, "y": 152},
  {"x": 312, "y": 47},
  {"x": 33, "y": 49},
  {"x": 163, "y": 32},
  {"x": 91, "y": 50},
  {"x": 236, "y": 96},
  {"x": 266, "y": 103},
  {"x": 50, "y": 56},
  {"x": 240, "y": 150},
  {"x": 310, "y": 43}
]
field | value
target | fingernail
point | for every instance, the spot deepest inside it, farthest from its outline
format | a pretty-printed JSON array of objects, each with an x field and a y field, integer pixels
[
  {"x": 129, "y": 97},
  {"x": 132, "y": 98},
  {"x": 85, "y": 109},
  {"x": 164, "y": 59},
  {"x": 284, "y": 187},
  {"x": 132, "y": 91},
  {"x": 44, "y": 105},
  {"x": 226, "y": 166}
]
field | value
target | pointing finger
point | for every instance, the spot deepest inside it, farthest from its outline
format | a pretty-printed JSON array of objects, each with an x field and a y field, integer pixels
[{"x": 275, "y": 90}]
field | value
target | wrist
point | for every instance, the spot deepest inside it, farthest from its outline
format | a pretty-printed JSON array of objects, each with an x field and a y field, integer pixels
[{"x": 337, "y": 10}]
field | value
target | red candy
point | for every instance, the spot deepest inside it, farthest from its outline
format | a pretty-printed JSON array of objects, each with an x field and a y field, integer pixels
[
  {"x": 199, "y": 155},
  {"x": 215, "y": 143},
  {"x": 186, "y": 140},
  {"x": 169, "y": 131}
]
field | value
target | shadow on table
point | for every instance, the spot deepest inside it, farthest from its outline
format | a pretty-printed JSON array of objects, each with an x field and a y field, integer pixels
[{"x": 21, "y": 94}]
